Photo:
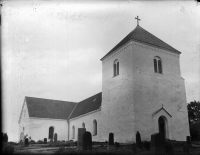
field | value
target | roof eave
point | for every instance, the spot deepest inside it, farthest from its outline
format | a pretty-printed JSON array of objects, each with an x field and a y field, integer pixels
[{"x": 108, "y": 54}]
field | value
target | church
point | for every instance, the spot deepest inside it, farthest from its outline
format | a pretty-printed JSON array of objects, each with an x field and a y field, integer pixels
[{"x": 142, "y": 90}]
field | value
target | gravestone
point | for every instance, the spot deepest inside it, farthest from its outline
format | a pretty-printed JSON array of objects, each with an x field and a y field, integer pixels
[
  {"x": 138, "y": 140},
  {"x": 158, "y": 144},
  {"x": 26, "y": 142},
  {"x": 188, "y": 139},
  {"x": 45, "y": 140},
  {"x": 87, "y": 141},
  {"x": 110, "y": 141},
  {"x": 55, "y": 137},
  {"x": 81, "y": 131},
  {"x": 5, "y": 137},
  {"x": 117, "y": 145}
]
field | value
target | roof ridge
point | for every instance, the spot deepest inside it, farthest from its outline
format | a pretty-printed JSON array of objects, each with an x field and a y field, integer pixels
[
  {"x": 49, "y": 99},
  {"x": 156, "y": 38}
]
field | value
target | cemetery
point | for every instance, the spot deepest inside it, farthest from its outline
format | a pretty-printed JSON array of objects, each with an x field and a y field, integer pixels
[{"x": 157, "y": 146}]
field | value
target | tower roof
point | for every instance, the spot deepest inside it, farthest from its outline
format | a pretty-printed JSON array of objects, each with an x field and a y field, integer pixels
[{"x": 141, "y": 35}]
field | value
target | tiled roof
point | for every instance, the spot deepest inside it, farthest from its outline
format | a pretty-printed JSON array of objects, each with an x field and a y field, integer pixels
[
  {"x": 87, "y": 105},
  {"x": 141, "y": 35},
  {"x": 46, "y": 108}
]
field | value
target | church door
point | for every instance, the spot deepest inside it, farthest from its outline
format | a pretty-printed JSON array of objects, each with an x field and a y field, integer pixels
[{"x": 162, "y": 126}]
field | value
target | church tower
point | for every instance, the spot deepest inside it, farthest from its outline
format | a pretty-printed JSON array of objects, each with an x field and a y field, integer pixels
[{"x": 143, "y": 90}]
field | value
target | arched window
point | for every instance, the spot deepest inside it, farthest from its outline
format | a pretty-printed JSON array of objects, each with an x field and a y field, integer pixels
[
  {"x": 116, "y": 68},
  {"x": 73, "y": 132},
  {"x": 158, "y": 65},
  {"x": 94, "y": 127},
  {"x": 51, "y": 132},
  {"x": 83, "y": 125}
]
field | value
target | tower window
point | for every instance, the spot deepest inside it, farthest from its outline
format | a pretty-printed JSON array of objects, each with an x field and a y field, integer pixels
[
  {"x": 116, "y": 68},
  {"x": 157, "y": 65}
]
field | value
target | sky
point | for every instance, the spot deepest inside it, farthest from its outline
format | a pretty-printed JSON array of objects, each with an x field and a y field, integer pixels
[{"x": 52, "y": 49}]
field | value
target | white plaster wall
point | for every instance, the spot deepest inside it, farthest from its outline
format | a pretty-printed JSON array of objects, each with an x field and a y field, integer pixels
[
  {"x": 117, "y": 97},
  {"x": 88, "y": 120},
  {"x": 152, "y": 90},
  {"x": 24, "y": 121},
  {"x": 39, "y": 128}
]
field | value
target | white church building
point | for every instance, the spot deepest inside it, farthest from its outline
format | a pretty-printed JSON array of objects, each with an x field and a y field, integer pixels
[{"x": 142, "y": 90}]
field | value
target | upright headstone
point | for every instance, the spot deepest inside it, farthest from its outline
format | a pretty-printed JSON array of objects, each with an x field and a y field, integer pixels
[
  {"x": 188, "y": 139},
  {"x": 111, "y": 139},
  {"x": 26, "y": 142},
  {"x": 45, "y": 140},
  {"x": 87, "y": 140},
  {"x": 138, "y": 140},
  {"x": 81, "y": 131},
  {"x": 158, "y": 144},
  {"x": 5, "y": 137},
  {"x": 55, "y": 137}
]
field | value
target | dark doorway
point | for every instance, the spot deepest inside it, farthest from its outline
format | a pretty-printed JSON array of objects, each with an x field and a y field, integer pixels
[
  {"x": 51, "y": 132},
  {"x": 162, "y": 126}
]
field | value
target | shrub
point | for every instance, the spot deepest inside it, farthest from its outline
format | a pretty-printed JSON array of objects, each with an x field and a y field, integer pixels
[
  {"x": 40, "y": 142},
  {"x": 32, "y": 142},
  {"x": 60, "y": 149},
  {"x": 12, "y": 143}
]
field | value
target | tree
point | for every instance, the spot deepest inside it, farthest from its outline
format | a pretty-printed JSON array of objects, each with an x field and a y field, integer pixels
[
  {"x": 193, "y": 111},
  {"x": 194, "y": 119}
]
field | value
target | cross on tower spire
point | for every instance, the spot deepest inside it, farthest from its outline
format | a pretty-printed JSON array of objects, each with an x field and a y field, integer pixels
[{"x": 138, "y": 20}]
